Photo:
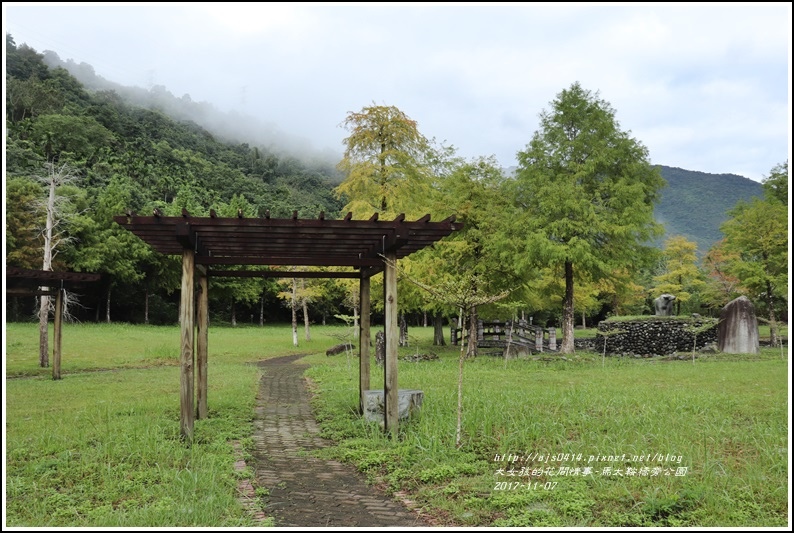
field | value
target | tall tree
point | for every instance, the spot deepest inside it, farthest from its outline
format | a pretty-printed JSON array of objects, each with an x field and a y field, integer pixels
[
  {"x": 757, "y": 233},
  {"x": 586, "y": 190},
  {"x": 54, "y": 235},
  {"x": 106, "y": 247},
  {"x": 385, "y": 163},
  {"x": 474, "y": 192}
]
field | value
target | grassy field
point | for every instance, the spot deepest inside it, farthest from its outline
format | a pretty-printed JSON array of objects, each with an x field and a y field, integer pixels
[{"x": 546, "y": 442}]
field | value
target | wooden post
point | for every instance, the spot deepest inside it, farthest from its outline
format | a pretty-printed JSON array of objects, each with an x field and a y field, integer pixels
[
  {"x": 392, "y": 335},
  {"x": 187, "y": 413},
  {"x": 363, "y": 340},
  {"x": 56, "y": 341},
  {"x": 202, "y": 341}
]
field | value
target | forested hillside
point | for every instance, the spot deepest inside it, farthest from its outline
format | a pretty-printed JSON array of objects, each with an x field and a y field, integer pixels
[
  {"x": 124, "y": 157},
  {"x": 120, "y": 149},
  {"x": 695, "y": 204}
]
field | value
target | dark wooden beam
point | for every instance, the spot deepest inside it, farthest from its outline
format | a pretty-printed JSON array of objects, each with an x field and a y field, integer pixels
[
  {"x": 363, "y": 341},
  {"x": 12, "y": 292},
  {"x": 392, "y": 338},
  {"x": 280, "y": 274},
  {"x": 286, "y": 261}
]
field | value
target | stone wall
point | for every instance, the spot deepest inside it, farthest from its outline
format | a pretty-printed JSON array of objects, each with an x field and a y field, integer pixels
[{"x": 647, "y": 337}]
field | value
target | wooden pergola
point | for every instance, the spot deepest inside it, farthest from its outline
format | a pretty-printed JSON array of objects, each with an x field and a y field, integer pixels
[
  {"x": 209, "y": 244},
  {"x": 30, "y": 282}
]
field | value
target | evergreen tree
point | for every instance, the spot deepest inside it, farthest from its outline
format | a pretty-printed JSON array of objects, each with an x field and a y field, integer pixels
[
  {"x": 586, "y": 191},
  {"x": 385, "y": 163},
  {"x": 757, "y": 233}
]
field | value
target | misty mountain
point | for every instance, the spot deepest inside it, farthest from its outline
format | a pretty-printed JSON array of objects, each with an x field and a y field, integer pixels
[
  {"x": 693, "y": 204},
  {"x": 232, "y": 127}
]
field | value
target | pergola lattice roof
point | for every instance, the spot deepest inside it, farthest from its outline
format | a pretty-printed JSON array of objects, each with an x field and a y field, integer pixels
[
  {"x": 287, "y": 241},
  {"x": 368, "y": 245}
]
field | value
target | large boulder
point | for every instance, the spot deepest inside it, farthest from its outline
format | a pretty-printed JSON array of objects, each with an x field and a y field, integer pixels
[{"x": 738, "y": 328}]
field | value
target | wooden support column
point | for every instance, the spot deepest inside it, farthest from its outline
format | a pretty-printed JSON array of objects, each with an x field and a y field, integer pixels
[
  {"x": 56, "y": 341},
  {"x": 392, "y": 337},
  {"x": 187, "y": 412},
  {"x": 202, "y": 341},
  {"x": 363, "y": 341}
]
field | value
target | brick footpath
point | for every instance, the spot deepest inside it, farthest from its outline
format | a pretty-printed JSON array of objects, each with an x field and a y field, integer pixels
[{"x": 306, "y": 491}]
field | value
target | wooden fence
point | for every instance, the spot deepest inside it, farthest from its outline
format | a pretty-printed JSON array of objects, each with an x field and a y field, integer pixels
[{"x": 496, "y": 335}]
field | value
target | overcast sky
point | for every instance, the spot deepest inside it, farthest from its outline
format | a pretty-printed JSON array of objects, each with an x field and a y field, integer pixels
[{"x": 704, "y": 87}]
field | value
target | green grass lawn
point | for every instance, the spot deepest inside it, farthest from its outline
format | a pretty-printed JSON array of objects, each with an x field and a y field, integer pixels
[{"x": 101, "y": 447}]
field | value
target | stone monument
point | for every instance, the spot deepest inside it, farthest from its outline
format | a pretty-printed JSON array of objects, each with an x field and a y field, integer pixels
[
  {"x": 409, "y": 401},
  {"x": 738, "y": 328},
  {"x": 664, "y": 305}
]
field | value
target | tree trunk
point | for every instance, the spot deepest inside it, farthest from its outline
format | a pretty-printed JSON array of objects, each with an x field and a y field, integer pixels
[
  {"x": 44, "y": 309},
  {"x": 772, "y": 320},
  {"x": 107, "y": 307},
  {"x": 146, "y": 307},
  {"x": 473, "y": 329},
  {"x": 584, "y": 322},
  {"x": 403, "y": 331},
  {"x": 44, "y": 321},
  {"x": 461, "y": 325},
  {"x": 294, "y": 312},
  {"x": 567, "y": 311},
  {"x": 438, "y": 330},
  {"x": 234, "y": 313},
  {"x": 458, "y": 426},
  {"x": 262, "y": 309},
  {"x": 424, "y": 319},
  {"x": 305, "y": 312},
  {"x": 355, "y": 322}
]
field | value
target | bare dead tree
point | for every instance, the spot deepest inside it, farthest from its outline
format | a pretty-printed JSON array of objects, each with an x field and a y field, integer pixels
[{"x": 54, "y": 235}]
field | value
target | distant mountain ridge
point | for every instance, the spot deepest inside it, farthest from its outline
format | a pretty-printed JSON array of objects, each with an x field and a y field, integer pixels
[{"x": 695, "y": 204}]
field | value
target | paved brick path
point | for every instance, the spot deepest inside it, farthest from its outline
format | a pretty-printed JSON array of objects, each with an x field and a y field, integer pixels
[{"x": 306, "y": 491}]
